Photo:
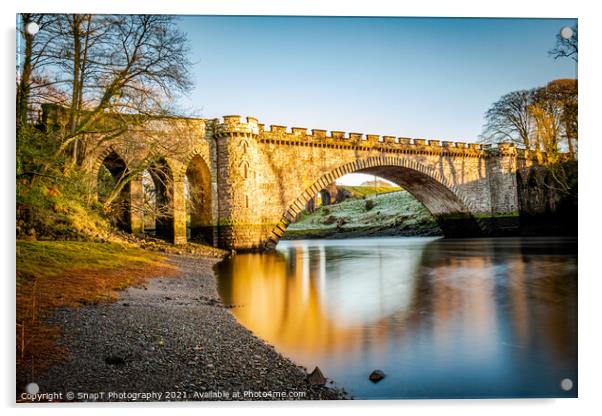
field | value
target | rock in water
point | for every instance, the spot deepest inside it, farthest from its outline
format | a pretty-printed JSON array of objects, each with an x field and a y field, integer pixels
[
  {"x": 316, "y": 378},
  {"x": 376, "y": 376}
]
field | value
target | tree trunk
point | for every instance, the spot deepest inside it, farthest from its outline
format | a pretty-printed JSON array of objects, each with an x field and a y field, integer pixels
[
  {"x": 76, "y": 33},
  {"x": 25, "y": 76},
  {"x": 82, "y": 74}
]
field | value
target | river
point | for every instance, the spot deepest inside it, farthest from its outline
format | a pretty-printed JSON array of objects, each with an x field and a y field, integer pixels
[{"x": 442, "y": 318}]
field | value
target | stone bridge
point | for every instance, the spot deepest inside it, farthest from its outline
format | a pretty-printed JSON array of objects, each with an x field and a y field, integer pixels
[{"x": 253, "y": 180}]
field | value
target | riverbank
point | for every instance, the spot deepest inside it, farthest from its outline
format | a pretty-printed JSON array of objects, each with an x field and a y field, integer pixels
[
  {"x": 396, "y": 230},
  {"x": 70, "y": 274},
  {"x": 172, "y": 336}
]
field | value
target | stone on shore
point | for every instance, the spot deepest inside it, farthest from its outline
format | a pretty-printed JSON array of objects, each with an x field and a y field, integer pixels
[{"x": 316, "y": 378}]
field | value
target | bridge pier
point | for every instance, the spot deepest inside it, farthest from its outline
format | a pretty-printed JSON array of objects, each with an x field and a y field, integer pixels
[
  {"x": 179, "y": 212},
  {"x": 241, "y": 196},
  {"x": 136, "y": 206},
  {"x": 503, "y": 190},
  {"x": 329, "y": 194}
]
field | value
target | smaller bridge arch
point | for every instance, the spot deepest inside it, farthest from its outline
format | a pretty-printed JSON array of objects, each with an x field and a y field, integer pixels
[
  {"x": 158, "y": 180},
  {"x": 199, "y": 198},
  {"x": 110, "y": 152},
  {"x": 110, "y": 176}
]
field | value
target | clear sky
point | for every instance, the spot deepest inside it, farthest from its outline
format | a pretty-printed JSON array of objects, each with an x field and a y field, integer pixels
[{"x": 411, "y": 77}]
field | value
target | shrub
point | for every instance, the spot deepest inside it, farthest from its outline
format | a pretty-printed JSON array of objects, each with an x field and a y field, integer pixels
[{"x": 51, "y": 204}]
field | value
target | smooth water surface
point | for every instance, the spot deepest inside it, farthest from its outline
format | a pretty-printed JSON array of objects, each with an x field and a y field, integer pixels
[{"x": 441, "y": 317}]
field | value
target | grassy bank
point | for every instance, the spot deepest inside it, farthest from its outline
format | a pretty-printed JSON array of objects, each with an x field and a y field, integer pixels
[
  {"x": 366, "y": 191},
  {"x": 60, "y": 274},
  {"x": 384, "y": 214}
]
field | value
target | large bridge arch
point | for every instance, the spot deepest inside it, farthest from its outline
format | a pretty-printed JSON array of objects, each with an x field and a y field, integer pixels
[{"x": 452, "y": 211}]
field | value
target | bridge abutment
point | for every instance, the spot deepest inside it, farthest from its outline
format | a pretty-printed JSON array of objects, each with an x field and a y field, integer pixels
[{"x": 501, "y": 173}]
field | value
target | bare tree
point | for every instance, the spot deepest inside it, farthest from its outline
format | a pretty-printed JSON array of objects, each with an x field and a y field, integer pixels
[
  {"x": 566, "y": 47},
  {"x": 554, "y": 111},
  {"x": 115, "y": 78},
  {"x": 136, "y": 69},
  {"x": 546, "y": 120},
  {"x": 31, "y": 58},
  {"x": 563, "y": 93},
  {"x": 117, "y": 70},
  {"x": 509, "y": 119},
  {"x": 24, "y": 83},
  {"x": 542, "y": 119}
]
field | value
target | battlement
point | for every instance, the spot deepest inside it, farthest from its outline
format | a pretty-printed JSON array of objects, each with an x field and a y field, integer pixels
[{"x": 233, "y": 124}]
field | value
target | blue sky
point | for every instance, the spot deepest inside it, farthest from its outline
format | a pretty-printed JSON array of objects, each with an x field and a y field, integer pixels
[{"x": 411, "y": 77}]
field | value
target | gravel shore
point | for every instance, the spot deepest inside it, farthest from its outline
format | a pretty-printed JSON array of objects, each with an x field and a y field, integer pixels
[{"x": 173, "y": 338}]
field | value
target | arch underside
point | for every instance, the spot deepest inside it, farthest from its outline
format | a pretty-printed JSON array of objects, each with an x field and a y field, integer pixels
[
  {"x": 199, "y": 200},
  {"x": 450, "y": 211},
  {"x": 162, "y": 178}
]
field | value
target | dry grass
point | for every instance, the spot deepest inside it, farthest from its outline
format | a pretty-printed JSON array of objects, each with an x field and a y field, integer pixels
[{"x": 68, "y": 274}]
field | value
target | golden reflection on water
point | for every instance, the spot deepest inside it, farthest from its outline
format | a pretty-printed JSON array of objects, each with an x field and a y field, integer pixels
[
  {"x": 287, "y": 306},
  {"x": 457, "y": 303}
]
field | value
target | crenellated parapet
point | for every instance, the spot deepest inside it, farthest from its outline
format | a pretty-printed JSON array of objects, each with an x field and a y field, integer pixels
[
  {"x": 336, "y": 139},
  {"x": 233, "y": 126}
]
